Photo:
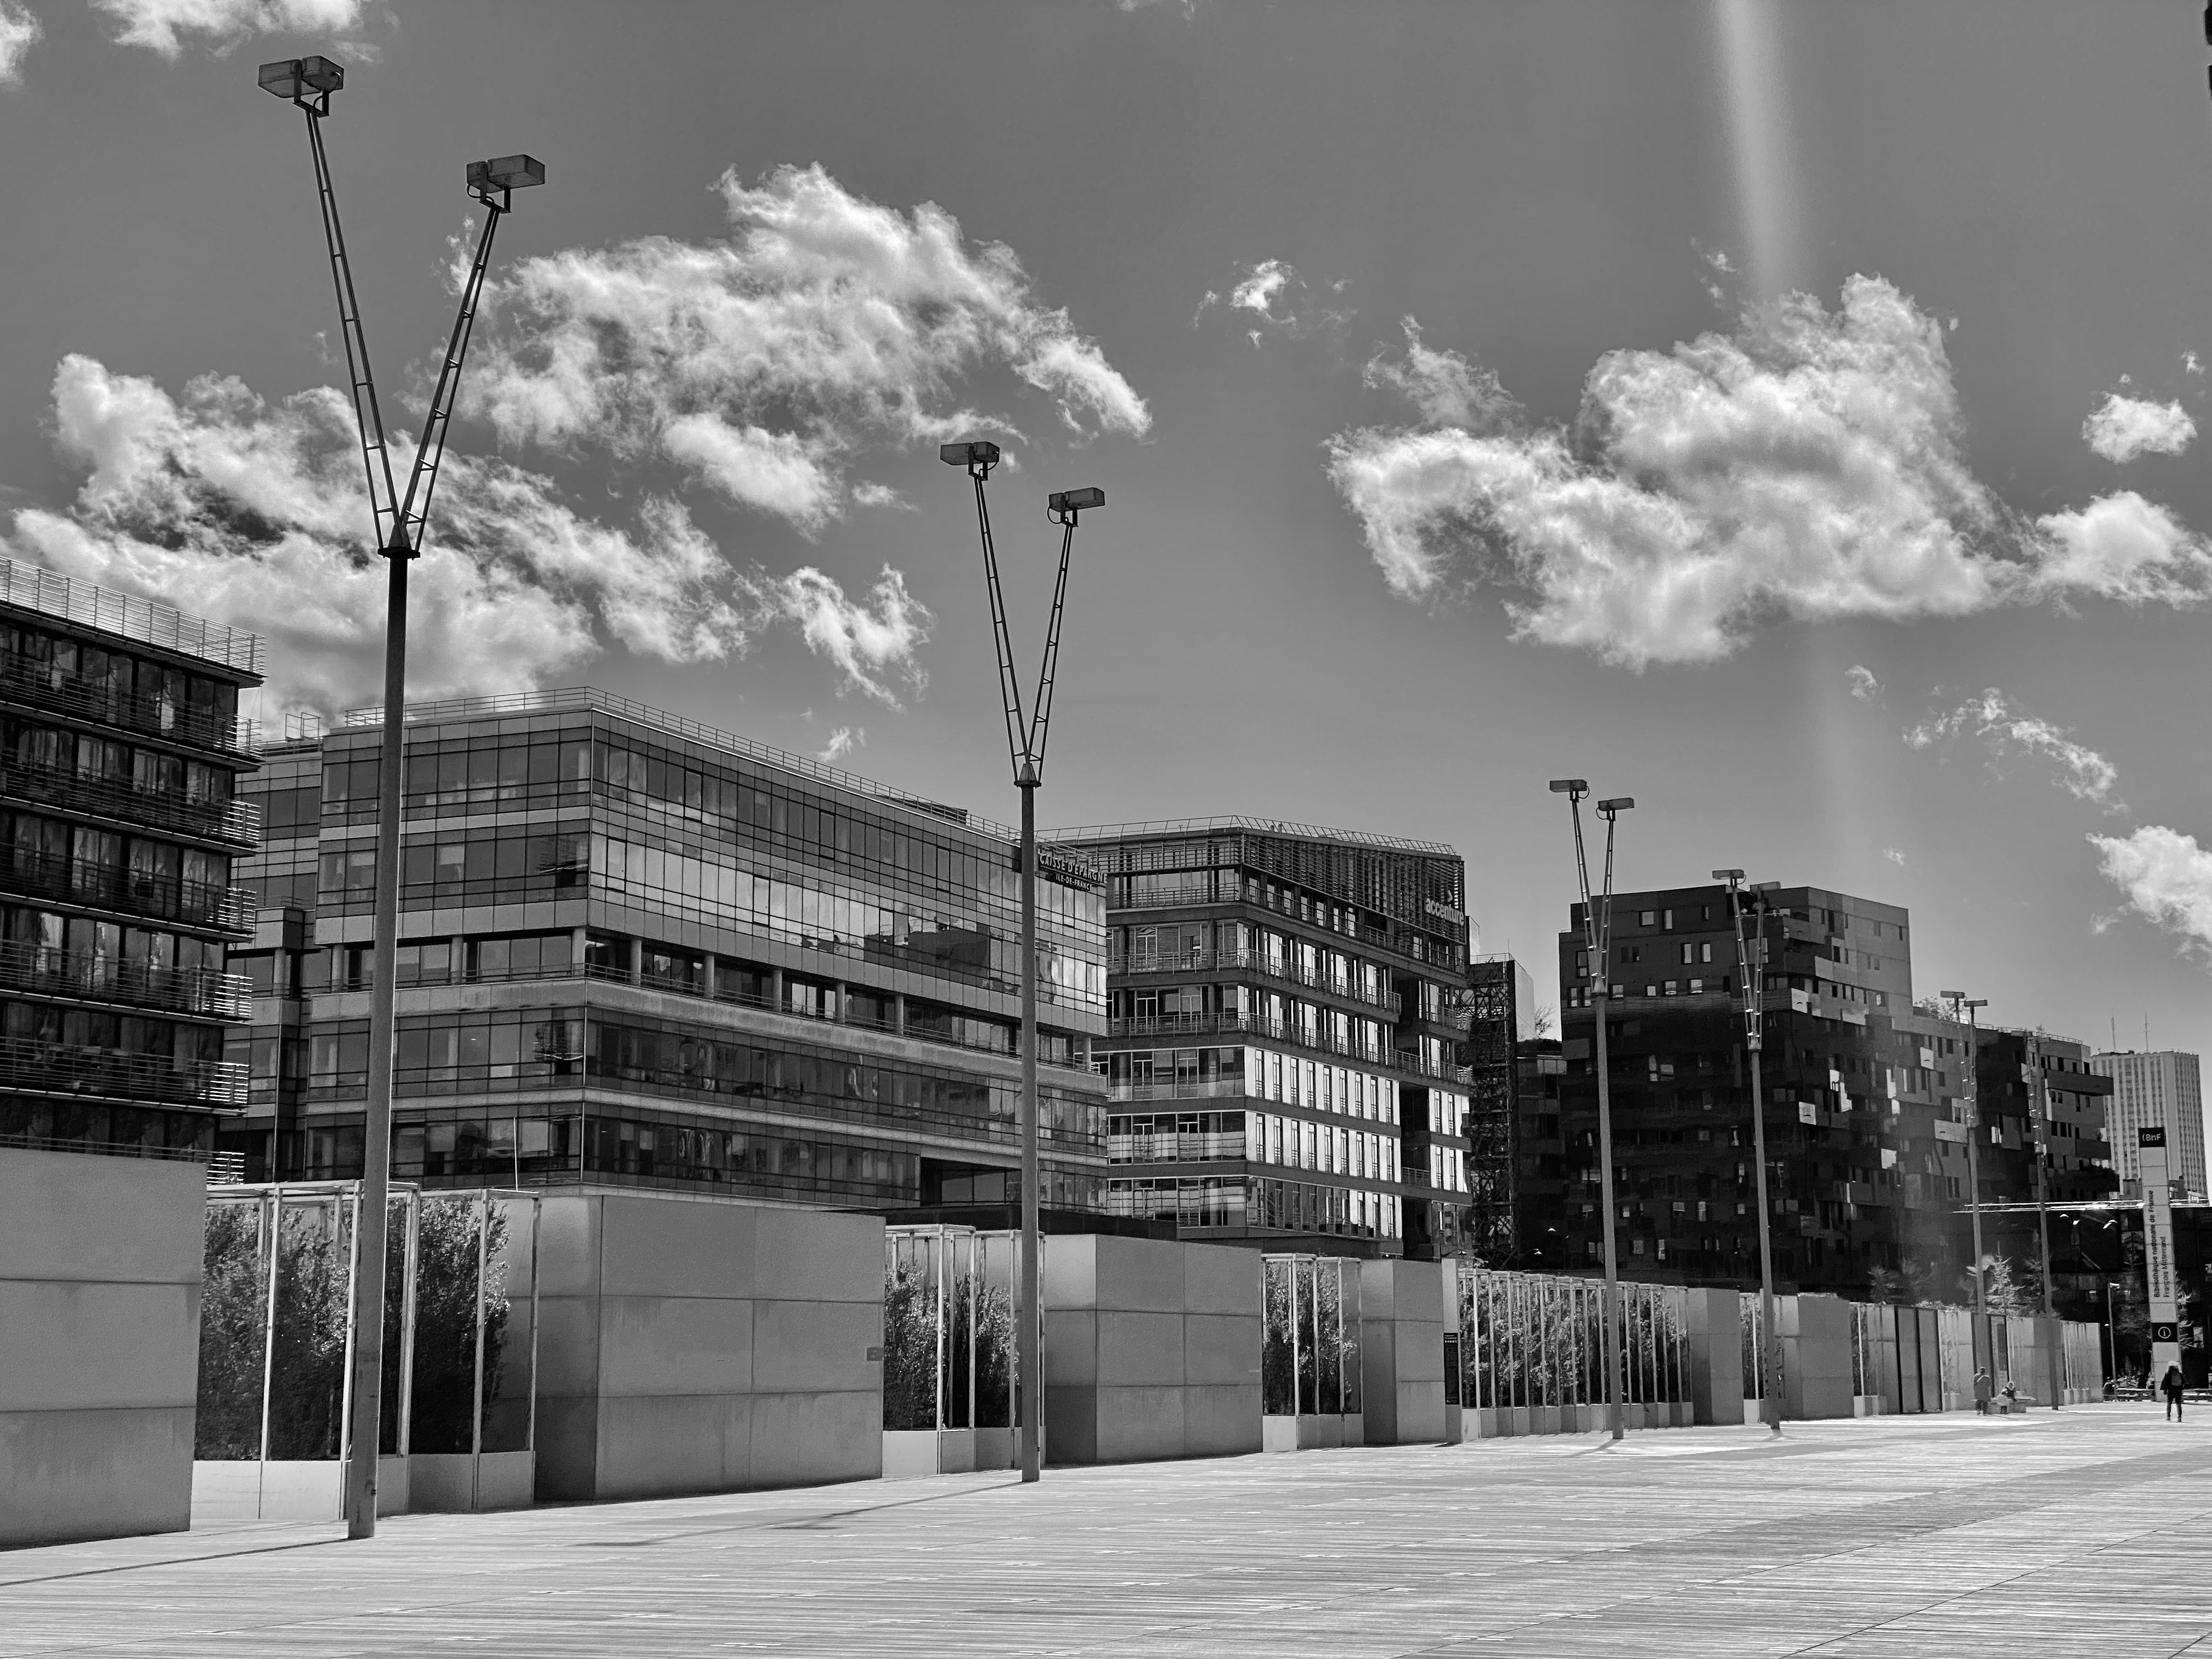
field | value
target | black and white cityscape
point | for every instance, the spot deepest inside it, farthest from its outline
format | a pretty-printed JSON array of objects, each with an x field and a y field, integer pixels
[{"x": 1153, "y": 826}]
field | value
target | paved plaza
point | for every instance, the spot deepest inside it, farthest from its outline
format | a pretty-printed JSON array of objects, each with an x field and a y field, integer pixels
[{"x": 2055, "y": 1533}]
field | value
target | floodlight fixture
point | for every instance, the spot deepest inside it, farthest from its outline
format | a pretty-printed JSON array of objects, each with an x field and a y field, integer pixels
[
  {"x": 1766, "y": 887},
  {"x": 1576, "y": 786},
  {"x": 505, "y": 174},
  {"x": 1062, "y": 506},
  {"x": 296, "y": 78},
  {"x": 978, "y": 456},
  {"x": 1617, "y": 804},
  {"x": 1731, "y": 876}
]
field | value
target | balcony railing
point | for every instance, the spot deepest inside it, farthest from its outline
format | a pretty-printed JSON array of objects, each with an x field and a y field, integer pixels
[
  {"x": 234, "y": 821},
  {"x": 112, "y": 980},
  {"x": 115, "y": 887},
  {"x": 1184, "y": 1027},
  {"x": 1174, "y": 1147},
  {"x": 1205, "y": 960},
  {"x": 36, "y": 588},
  {"x": 29, "y": 1066},
  {"x": 1233, "y": 1089},
  {"x": 38, "y": 684}
]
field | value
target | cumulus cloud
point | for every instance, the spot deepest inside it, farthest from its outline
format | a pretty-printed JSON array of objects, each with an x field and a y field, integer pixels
[
  {"x": 1865, "y": 686},
  {"x": 158, "y": 25},
  {"x": 20, "y": 30},
  {"x": 254, "y": 513},
  {"x": 2166, "y": 877},
  {"x": 1894, "y": 855},
  {"x": 2004, "y": 730},
  {"x": 1446, "y": 388},
  {"x": 2123, "y": 428},
  {"x": 842, "y": 742},
  {"x": 869, "y": 640},
  {"x": 1301, "y": 310},
  {"x": 763, "y": 362},
  {"x": 1807, "y": 466}
]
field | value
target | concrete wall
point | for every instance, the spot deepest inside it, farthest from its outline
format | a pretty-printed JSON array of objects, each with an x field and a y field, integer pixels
[
  {"x": 100, "y": 1329},
  {"x": 1715, "y": 1321},
  {"x": 694, "y": 1345},
  {"x": 1401, "y": 1349},
  {"x": 1816, "y": 1356},
  {"x": 1152, "y": 1349}
]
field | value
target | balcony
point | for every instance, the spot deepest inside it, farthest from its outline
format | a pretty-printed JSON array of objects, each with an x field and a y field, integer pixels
[
  {"x": 1194, "y": 1090},
  {"x": 29, "y": 1066},
  {"x": 1183, "y": 1028},
  {"x": 1249, "y": 962},
  {"x": 110, "y": 887},
  {"x": 1172, "y": 1146},
  {"x": 106, "y": 979},
  {"x": 36, "y": 685},
  {"x": 236, "y": 821}
]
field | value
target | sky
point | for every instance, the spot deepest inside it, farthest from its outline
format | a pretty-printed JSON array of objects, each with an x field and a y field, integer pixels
[{"x": 1784, "y": 414}]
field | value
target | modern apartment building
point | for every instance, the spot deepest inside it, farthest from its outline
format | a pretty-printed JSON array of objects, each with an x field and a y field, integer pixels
[
  {"x": 2036, "y": 1089},
  {"x": 1287, "y": 1012},
  {"x": 2161, "y": 1088},
  {"x": 1866, "y": 1099},
  {"x": 122, "y": 749},
  {"x": 636, "y": 951}
]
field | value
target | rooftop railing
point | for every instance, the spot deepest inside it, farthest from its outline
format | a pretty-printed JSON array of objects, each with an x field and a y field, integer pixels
[{"x": 35, "y": 589}]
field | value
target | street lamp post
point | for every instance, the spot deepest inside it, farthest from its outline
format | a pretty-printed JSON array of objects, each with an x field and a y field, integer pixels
[
  {"x": 1959, "y": 1000},
  {"x": 1770, "y": 1400},
  {"x": 400, "y": 522},
  {"x": 2038, "y": 1107},
  {"x": 1025, "y": 741},
  {"x": 1597, "y": 930}
]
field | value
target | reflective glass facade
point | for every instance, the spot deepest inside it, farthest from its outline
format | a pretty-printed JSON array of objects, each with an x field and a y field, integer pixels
[
  {"x": 637, "y": 951},
  {"x": 120, "y": 747},
  {"x": 1285, "y": 1050}
]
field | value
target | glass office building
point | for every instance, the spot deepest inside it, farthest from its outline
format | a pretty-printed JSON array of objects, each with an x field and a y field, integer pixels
[
  {"x": 637, "y": 951},
  {"x": 123, "y": 824},
  {"x": 1287, "y": 1022}
]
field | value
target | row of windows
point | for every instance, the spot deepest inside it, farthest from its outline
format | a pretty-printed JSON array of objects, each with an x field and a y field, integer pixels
[
  {"x": 114, "y": 686},
  {"x": 1264, "y": 1074},
  {"x": 751, "y": 807},
  {"x": 526, "y": 1049},
  {"x": 154, "y": 773},
  {"x": 96, "y": 946},
  {"x": 1275, "y": 1206},
  {"x": 103, "y": 867},
  {"x": 44, "y": 1025}
]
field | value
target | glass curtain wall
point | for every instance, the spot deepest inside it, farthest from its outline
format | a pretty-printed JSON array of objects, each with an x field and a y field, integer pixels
[
  {"x": 949, "y": 1328},
  {"x": 1538, "y": 1340},
  {"x": 1310, "y": 1355}
]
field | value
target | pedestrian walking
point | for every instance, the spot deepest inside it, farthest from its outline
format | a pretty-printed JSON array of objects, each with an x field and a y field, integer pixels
[
  {"x": 2170, "y": 1386},
  {"x": 1982, "y": 1392}
]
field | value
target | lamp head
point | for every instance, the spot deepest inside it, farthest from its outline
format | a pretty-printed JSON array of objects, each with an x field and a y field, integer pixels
[
  {"x": 1576, "y": 786},
  {"x": 296, "y": 78},
  {"x": 1952, "y": 996},
  {"x": 1731, "y": 876},
  {"x": 1766, "y": 887},
  {"x": 1071, "y": 501},
  {"x": 1617, "y": 804},
  {"x": 979, "y": 453},
  {"x": 504, "y": 174}
]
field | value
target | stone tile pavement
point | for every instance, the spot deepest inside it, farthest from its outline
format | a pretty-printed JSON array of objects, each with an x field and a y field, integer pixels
[{"x": 2052, "y": 1534}]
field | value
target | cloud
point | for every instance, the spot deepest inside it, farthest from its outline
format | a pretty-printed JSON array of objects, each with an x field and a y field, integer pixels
[
  {"x": 1304, "y": 311},
  {"x": 1808, "y": 466},
  {"x": 842, "y": 742},
  {"x": 20, "y": 30},
  {"x": 2166, "y": 877},
  {"x": 1865, "y": 686},
  {"x": 2082, "y": 772},
  {"x": 2191, "y": 363},
  {"x": 864, "y": 640},
  {"x": 1894, "y": 855},
  {"x": 762, "y": 363},
  {"x": 2123, "y": 428},
  {"x": 157, "y": 25},
  {"x": 254, "y": 513},
  {"x": 1446, "y": 388}
]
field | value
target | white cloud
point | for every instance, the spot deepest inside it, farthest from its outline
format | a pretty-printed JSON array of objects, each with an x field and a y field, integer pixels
[
  {"x": 157, "y": 24},
  {"x": 1894, "y": 855},
  {"x": 864, "y": 640},
  {"x": 842, "y": 742},
  {"x": 2082, "y": 772},
  {"x": 1865, "y": 686},
  {"x": 761, "y": 363},
  {"x": 2123, "y": 428},
  {"x": 1447, "y": 389},
  {"x": 254, "y": 513},
  {"x": 1808, "y": 466},
  {"x": 20, "y": 30},
  {"x": 2166, "y": 878},
  {"x": 1303, "y": 311},
  {"x": 2191, "y": 363}
]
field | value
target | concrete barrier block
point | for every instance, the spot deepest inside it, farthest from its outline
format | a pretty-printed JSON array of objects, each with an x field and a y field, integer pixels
[
  {"x": 1222, "y": 1349},
  {"x": 669, "y": 1246},
  {"x": 1139, "y": 1349},
  {"x": 662, "y": 1345},
  {"x": 72, "y": 1345},
  {"x": 815, "y": 1346}
]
